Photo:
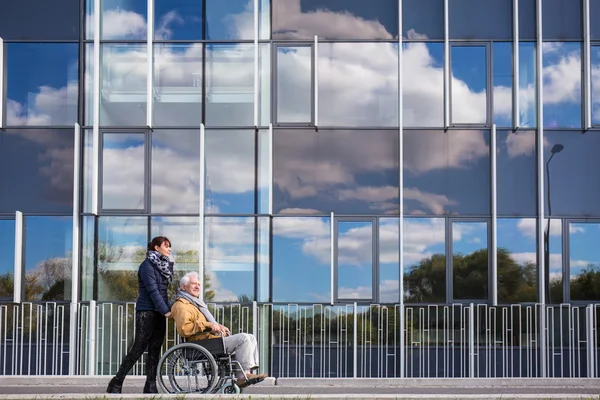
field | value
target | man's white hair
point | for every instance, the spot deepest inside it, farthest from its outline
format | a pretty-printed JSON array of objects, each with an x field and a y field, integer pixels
[{"x": 185, "y": 280}]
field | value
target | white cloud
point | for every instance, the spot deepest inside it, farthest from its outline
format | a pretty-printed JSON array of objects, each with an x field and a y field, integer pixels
[
  {"x": 528, "y": 228},
  {"x": 520, "y": 143}
]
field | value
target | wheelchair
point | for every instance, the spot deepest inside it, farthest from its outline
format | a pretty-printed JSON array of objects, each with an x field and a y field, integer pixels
[{"x": 201, "y": 366}]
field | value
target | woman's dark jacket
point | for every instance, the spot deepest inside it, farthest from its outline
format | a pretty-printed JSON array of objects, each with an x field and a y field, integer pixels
[{"x": 153, "y": 289}]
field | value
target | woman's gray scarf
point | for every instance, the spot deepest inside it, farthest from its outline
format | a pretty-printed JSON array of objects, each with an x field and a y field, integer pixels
[
  {"x": 161, "y": 263},
  {"x": 199, "y": 304}
]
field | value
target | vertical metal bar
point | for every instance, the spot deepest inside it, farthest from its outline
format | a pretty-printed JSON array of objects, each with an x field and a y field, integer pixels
[
  {"x": 355, "y": 346},
  {"x": 150, "y": 65},
  {"x": 316, "y": 82},
  {"x": 255, "y": 319},
  {"x": 446, "y": 67},
  {"x": 587, "y": 66},
  {"x": 92, "y": 338},
  {"x": 494, "y": 233},
  {"x": 516, "y": 82},
  {"x": 2, "y": 79},
  {"x": 256, "y": 69},
  {"x": 401, "y": 188},
  {"x": 332, "y": 256},
  {"x": 75, "y": 250},
  {"x": 471, "y": 340},
  {"x": 18, "y": 281},
  {"x": 271, "y": 169},
  {"x": 540, "y": 197},
  {"x": 201, "y": 221},
  {"x": 591, "y": 343},
  {"x": 96, "y": 109}
]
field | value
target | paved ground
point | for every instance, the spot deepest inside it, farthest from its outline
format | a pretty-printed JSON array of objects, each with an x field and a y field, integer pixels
[{"x": 81, "y": 387}]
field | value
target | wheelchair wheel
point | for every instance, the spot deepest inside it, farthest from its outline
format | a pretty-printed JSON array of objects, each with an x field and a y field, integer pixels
[
  {"x": 230, "y": 388},
  {"x": 187, "y": 368}
]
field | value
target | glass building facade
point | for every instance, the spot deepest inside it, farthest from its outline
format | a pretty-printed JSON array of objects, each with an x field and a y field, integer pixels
[{"x": 391, "y": 152}]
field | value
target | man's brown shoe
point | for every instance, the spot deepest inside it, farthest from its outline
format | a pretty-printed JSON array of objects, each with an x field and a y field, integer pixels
[{"x": 252, "y": 379}]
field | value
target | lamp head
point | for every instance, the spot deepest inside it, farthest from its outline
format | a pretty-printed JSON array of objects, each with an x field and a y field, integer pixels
[{"x": 557, "y": 148}]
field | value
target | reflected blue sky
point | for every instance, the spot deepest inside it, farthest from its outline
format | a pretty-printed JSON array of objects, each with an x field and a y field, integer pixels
[{"x": 7, "y": 246}]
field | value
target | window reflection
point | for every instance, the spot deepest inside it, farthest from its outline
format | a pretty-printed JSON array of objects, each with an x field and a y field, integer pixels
[
  {"x": 122, "y": 243},
  {"x": 41, "y": 83},
  {"x": 345, "y": 171},
  {"x": 43, "y": 159},
  {"x": 423, "y": 84},
  {"x": 334, "y": 19},
  {"x": 48, "y": 248},
  {"x": 354, "y": 260},
  {"x": 263, "y": 272},
  {"x": 123, "y": 171},
  {"x": 527, "y": 20},
  {"x": 88, "y": 85},
  {"x": 594, "y": 27},
  {"x": 230, "y": 172},
  {"x": 562, "y": 20},
  {"x": 422, "y": 19},
  {"x": 230, "y": 20},
  {"x": 35, "y": 20},
  {"x": 517, "y": 260},
  {"x": 264, "y": 172},
  {"x": 553, "y": 261},
  {"x": 88, "y": 255},
  {"x": 178, "y": 19},
  {"x": 124, "y": 85},
  {"x": 527, "y": 85},
  {"x": 424, "y": 252},
  {"x": 584, "y": 259},
  {"x": 476, "y": 19},
  {"x": 446, "y": 172},
  {"x": 569, "y": 159},
  {"x": 470, "y": 260},
  {"x": 562, "y": 85},
  {"x": 7, "y": 264},
  {"x": 388, "y": 257},
  {"x": 301, "y": 259},
  {"x": 123, "y": 19},
  {"x": 516, "y": 173},
  {"x": 595, "y": 82},
  {"x": 229, "y": 259},
  {"x": 178, "y": 85},
  {"x": 175, "y": 171},
  {"x": 294, "y": 96},
  {"x": 358, "y": 84},
  {"x": 502, "y": 83},
  {"x": 469, "y": 85}
]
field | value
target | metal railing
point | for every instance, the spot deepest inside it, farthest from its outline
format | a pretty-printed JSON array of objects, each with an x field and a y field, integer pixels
[{"x": 347, "y": 340}]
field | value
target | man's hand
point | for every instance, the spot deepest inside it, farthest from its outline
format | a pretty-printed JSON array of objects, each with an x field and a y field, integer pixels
[
  {"x": 168, "y": 315},
  {"x": 225, "y": 330},
  {"x": 216, "y": 328}
]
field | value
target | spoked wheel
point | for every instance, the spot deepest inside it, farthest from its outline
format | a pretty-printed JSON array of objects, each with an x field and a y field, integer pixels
[
  {"x": 230, "y": 388},
  {"x": 187, "y": 368}
]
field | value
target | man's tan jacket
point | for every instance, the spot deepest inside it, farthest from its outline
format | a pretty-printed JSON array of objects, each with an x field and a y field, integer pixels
[{"x": 191, "y": 323}]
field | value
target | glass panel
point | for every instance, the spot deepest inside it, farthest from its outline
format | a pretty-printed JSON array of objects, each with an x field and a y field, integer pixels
[
  {"x": 48, "y": 247},
  {"x": 470, "y": 260},
  {"x": 123, "y": 85},
  {"x": 175, "y": 171},
  {"x": 335, "y": 19},
  {"x": 41, "y": 83},
  {"x": 423, "y": 19},
  {"x": 562, "y": 85},
  {"x": 7, "y": 264},
  {"x": 264, "y": 19},
  {"x": 178, "y": 19},
  {"x": 230, "y": 172},
  {"x": 562, "y": 19},
  {"x": 229, "y": 258},
  {"x": 178, "y": 85},
  {"x": 423, "y": 84},
  {"x": 39, "y": 20},
  {"x": 184, "y": 235},
  {"x": 88, "y": 85},
  {"x": 41, "y": 165},
  {"x": 595, "y": 74},
  {"x": 124, "y": 19},
  {"x": 502, "y": 83},
  {"x": 570, "y": 162},
  {"x": 358, "y": 84},
  {"x": 527, "y": 20},
  {"x": 264, "y": 92},
  {"x": 469, "y": 84},
  {"x": 88, "y": 165},
  {"x": 476, "y": 19},
  {"x": 584, "y": 258},
  {"x": 527, "y": 86},
  {"x": 553, "y": 260},
  {"x": 230, "y": 20},
  {"x": 230, "y": 85},
  {"x": 424, "y": 256},
  {"x": 122, "y": 243},
  {"x": 354, "y": 260},
  {"x": 446, "y": 172},
  {"x": 348, "y": 172},
  {"x": 594, "y": 26},
  {"x": 516, "y": 173},
  {"x": 301, "y": 259},
  {"x": 294, "y": 84},
  {"x": 89, "y": 19},
  {"x": 88, "y": 228},
  {"x": 123, "y": 171},
  {"x": 389, "y": 268},
  {"x": 517, "y": 260},
  {"x": 263, "y": 253},
  {"x": 264, "y": 172}
]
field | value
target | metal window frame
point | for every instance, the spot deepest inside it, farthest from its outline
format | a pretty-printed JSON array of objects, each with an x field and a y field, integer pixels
[
  {"x": 2, "y": 84},
  {"x": 150, "y": 64},
  {"x": 516, "y": 66},
  {"x": 401, "y": 184},
  {"x": 202, "y": 210},
  {"x": 19, "y": 257},
  {"x": 96, "y": 110},
  {"x": 587, "y": 67},
  {"x": 566, "y": 257},
  {"x": 493, "y": 245}
]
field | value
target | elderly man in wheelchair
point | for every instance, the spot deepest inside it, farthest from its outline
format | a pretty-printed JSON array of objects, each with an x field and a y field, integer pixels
[{"x": 212, "y": 359}]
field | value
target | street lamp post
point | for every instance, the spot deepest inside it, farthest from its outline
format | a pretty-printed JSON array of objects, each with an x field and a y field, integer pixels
[{"x": 557, "y": 148}]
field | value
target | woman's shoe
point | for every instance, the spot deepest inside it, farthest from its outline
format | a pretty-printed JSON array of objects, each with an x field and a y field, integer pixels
[
  {"x": 150, "y": 387},
  {"x": 114, "y": 386}
]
